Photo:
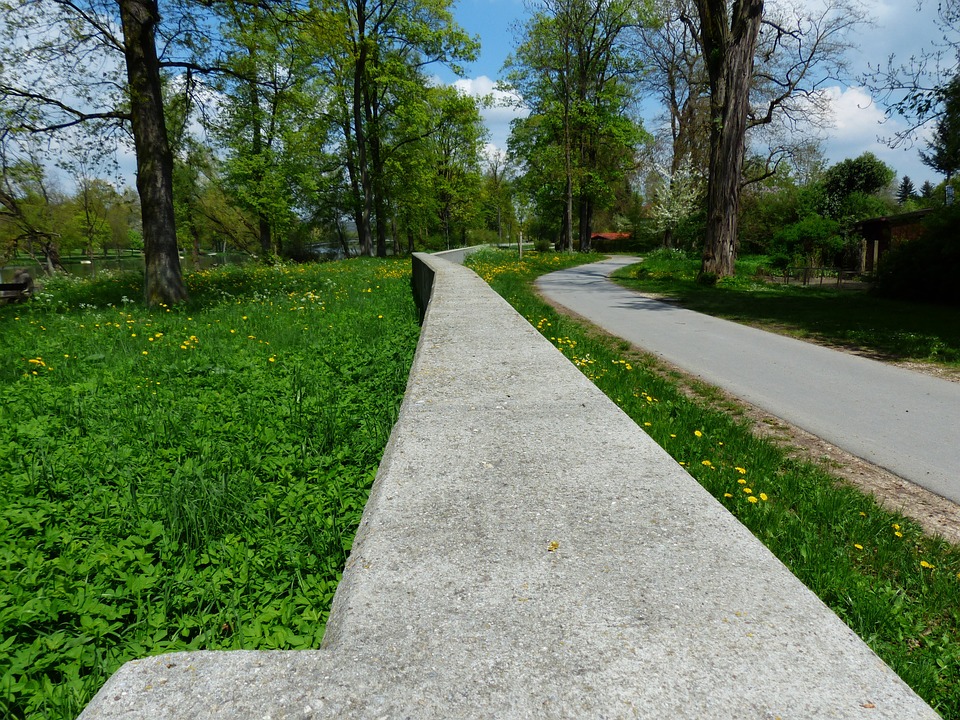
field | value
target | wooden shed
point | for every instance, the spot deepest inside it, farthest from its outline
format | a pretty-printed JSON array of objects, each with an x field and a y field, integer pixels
[{"x": 882, "y": 233}]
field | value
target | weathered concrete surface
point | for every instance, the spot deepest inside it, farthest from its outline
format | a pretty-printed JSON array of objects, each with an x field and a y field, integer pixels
[{"x": 527, "y": 551}]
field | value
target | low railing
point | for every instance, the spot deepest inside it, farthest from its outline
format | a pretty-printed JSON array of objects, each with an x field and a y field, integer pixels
[{"x": 810, "y": 275}]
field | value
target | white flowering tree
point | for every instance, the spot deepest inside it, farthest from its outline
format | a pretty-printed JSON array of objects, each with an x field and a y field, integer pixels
[{"x": 679, "y": 195}]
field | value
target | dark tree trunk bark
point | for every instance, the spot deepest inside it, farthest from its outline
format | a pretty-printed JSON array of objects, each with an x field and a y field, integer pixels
[
  {"x": 163, "y": 280},
  {"x": 356, "y": 191},
  {"x": 729, "y": 42},
  {"x": 668, "y": 238},
  {"x": 586, "y": 223},
  {"x": 566, "y": 236},
  {"x": 256, "y": 146},
  {"x": 366, "y": 192}
]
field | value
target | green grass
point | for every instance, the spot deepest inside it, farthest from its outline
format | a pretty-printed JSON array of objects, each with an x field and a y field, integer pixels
[
  {"x": 851, "y": 318},
  {"x": 189, "y": 477},
  {"x": 895, "y": 587}
]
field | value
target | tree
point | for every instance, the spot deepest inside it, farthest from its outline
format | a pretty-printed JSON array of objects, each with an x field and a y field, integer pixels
[
  {"x": 728, "y": 37},
  {"x": 784, "y": 51},
  {"x": 675, "y": 74},
  {"x": 376, "y": 67},
  {"x": 575, "y": 72},
  {"x": 30, "y": 210},
  {"x": 861, "y": 176},
  {"x": 944, "y": 147},
  {"x": 270, "y": 60},
  {"x": 680, "y": 193},
  {"x": 61, "y": 67},
  {"x": 918, "y": 90},
  {"x": 498, "y": 203},
  {"x": 906, "y": 191},
  {"x": 456, "y": 144},
  {"x": 163, "y": 280}
]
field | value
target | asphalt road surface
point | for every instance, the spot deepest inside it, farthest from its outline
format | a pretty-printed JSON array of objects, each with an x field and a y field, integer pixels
[{"x": 906, "y": 422}]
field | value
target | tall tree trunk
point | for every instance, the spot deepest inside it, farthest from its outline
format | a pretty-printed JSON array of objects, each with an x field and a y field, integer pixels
[
  {"x": 566, "y": 238},
  {"x": 363, "y": 171},
  {"x": 668, "y": 238},
  {"x": 729, "y": 42},
  {"x": 163, "y": 280},
  {"x": 372, "y": 114},
  {"x": 256, "y": 148},
  {"x": 356, "y": 191},
  {"x": 586, "y": 222}
]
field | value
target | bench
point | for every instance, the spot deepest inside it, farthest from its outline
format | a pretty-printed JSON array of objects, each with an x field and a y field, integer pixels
[
  {"x": 15, "y": 292},
  {"x": 528, "y": 551}
]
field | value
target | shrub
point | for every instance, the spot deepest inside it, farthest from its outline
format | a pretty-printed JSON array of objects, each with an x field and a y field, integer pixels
[
  {"x": 928, "y": 267},
  {"x": 811, "y": 240}
]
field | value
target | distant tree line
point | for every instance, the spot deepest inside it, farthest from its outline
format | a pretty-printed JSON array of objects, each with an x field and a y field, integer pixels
[
  {"x": 271, "y": 126},
  {"x": 263, "y": 126}
]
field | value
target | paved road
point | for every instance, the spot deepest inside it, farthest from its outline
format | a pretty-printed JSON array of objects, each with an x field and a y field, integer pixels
[{"x": 906, "y": 422}]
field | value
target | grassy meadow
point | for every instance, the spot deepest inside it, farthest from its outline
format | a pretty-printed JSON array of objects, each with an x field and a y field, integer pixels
[
  {"x": 191, "y": 477},
  {"x": 895, "y": 587}
]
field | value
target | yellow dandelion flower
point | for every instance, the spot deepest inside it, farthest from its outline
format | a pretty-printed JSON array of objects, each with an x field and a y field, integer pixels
[
  {"x": 763, "y": 496},
  {"x": 858, "y": 546},
  {"x": 742, "y": 481},
  {"x": 706, "y": 463},
  {"x": 895, "y": 526},
  {"x": 742, "y": 471},
  {"x": 747, "y": 490},
  {"x": 898, "y": 533},
  {"x": 647, "y": 424},
  {"x": 698, "y": 433},
  {"x": 752, "y": 499},
  {"x": 863, "y": 514},
  {"x": 925, "y": 564},
  {"x": 727, "y": 495},
  {"x": 144, "y": 353}
]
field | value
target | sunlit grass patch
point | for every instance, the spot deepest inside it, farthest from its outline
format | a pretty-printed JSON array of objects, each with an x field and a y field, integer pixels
[
  {"x": 187, "y": 477},
  {"x": 894, "y": 586},
  {"x": 856, "y": 318}
]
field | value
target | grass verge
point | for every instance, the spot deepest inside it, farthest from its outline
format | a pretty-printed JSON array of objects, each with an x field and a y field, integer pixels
[
  {"x": 186, "y": 478},
  {"x": 895, "y": 587},
  {"x": 850, "y": 318}
]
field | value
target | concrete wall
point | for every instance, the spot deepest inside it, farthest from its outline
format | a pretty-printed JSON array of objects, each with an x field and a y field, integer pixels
[{"x": 528, "y": 551}]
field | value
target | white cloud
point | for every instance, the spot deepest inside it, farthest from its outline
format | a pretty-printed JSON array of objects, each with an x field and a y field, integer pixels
[
  {"x": 860, "y": 125},
  {"x": 502, "y": 111},
  {"x": 855, "y": 115}
]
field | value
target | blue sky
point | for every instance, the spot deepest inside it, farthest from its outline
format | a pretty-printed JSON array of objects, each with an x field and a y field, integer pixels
[{"x": 901, "y": 27}]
